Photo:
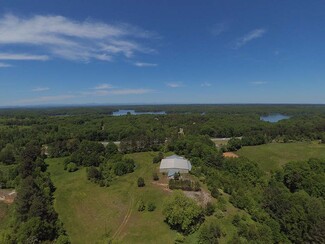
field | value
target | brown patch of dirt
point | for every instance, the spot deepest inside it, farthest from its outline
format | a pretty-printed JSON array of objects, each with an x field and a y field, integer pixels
[
  {"x": 201, "y": 197},
  {"x": 230, "y": 155},
  {"x": 7, "y": 196},
  {"x": 163, "y": 186}
]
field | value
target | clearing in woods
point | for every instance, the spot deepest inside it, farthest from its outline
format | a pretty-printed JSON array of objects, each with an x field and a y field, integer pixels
[
  {"x": 93, "y": 214},
  {"x": 272, "y": 156}
]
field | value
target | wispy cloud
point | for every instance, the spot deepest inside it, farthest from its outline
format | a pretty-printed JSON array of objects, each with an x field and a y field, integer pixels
[
  {"x": 45, "y": 99},
  {"x": 40, "y": 89},
  {"x": 131, "y": 91},
  {"x": 206, "y": 84},
  {"x": 140, "y": 64},
  {"x": 218, "y": 29},
  {"x": 127, "y": 91},
  {"x": 4, "y": 65},
  {"x": 108, "y": 89},
  {"x": 174, "y": 84},
  {"x": 103, "y": 87},
  {"x": 254, "y": 34},
  {"x": 65, "y": 38},
  {"x": 258, "y": 83},
  {"x": 22, "y": 56}
]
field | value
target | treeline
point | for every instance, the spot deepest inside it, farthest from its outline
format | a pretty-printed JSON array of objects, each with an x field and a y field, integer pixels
[
  {"x": 149, "y": 132},
  {"x": 34, "y": 219},
  {"x": 287, "y": 206}
]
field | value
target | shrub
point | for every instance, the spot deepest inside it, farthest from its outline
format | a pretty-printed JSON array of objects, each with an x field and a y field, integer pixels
[
  {"x": 72, "y": 167},
  {"x": 210, "y": 232},
  {"x": 158, "y": 158},
  {"x": 93, "y": 174},
  {"x": 141, "y": 206},
  {"x": 179, "y": 238},
  {"x": 236, "y": 220},
  {"x": 215, "y": 192},
  {"x": 151, "y": 207},
  {"x": 155, "y": 176},
  {"x": 209, "y": 209},
  {"x": 185, "y": 185},
  {"x": 141, "y": 182}
]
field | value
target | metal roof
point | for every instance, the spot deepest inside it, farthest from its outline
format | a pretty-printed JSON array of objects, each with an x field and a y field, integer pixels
[{"x": 175, "y": 162}]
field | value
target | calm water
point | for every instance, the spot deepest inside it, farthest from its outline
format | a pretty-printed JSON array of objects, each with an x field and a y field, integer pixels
[
  {"x": 273, "y": 118},
  {"x": 133, "y": 112}
]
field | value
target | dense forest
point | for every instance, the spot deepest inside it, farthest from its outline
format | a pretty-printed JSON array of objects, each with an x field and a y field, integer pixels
[{"x": 285, "y": 206}]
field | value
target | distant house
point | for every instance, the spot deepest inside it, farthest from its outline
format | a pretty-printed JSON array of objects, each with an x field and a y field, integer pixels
[{"x": 174, "y": 164}]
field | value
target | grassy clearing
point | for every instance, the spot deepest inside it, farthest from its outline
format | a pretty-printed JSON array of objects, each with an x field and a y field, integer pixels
[
  {"x": 92, "y": 214},
  {"x": 272, "y": 156},
  {"x": 220, "y": 141}
]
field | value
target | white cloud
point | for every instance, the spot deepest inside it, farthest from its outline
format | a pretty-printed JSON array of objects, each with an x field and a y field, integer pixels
[
  {"x": 4, "y": 65},
  {"x": 62, "y": 37},
  {"x": 174, "y": 84},
  {"x": 258, "y": 83},
  {"x": 139, "y": 64},
  {"x": 206, "y": 84},
  {"x": 22, "y": 56},
  {"x": 103, "y": 87},
  {"x": 40, "y": 89},
  {"x": 257, "y": 33}
]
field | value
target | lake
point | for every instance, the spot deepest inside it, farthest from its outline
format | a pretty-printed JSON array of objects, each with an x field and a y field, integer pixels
[
  {"x": 122, "y": 112},
  {"x": 273, "y": 118}
]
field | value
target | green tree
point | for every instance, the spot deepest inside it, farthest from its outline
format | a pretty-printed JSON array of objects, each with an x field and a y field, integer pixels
[
  {"x": 182, "y": 213},
  {"x": 7, "y": 155},
  {"x": 210, "y": 233}
]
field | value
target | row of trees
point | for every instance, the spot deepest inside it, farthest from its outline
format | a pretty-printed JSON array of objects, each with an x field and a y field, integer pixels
[{"x": 35, "y": 219}]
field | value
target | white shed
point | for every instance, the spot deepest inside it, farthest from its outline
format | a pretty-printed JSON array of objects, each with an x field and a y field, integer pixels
[{"x": 175, "y": 164}]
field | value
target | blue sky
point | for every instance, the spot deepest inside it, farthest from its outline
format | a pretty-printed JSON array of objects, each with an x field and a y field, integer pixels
[{"x": 119, "y": 52}]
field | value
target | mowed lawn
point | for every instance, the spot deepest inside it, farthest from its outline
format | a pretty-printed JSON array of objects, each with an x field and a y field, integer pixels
[
  {"x": 93, "y": 214},
  {"x": 272, "y": 156}
]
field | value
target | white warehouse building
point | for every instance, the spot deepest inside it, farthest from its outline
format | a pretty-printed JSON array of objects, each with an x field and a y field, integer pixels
[{"x": 175, "y": 164}]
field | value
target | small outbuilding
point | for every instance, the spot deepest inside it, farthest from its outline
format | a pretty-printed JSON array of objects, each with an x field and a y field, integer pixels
[{"x": 175, "y": 164}]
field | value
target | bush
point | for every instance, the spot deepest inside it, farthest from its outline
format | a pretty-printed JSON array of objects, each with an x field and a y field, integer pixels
[
  {"x": 155, "y": 176},
  {"x": 141, "y": 206},
  {"x": 236, "y": 220},
  {"x": 185, "y": 185},
  {"x": 209, "y": 209},
  {"x": 141, "y": 182},
  {"x": 215, "y": 192},
  {"x": 210, "y": 232},
  {"x": 93, "y": 174},
  {"x": 72, "y": 167},
  {"x": 151, "y": 207},
  {"x": 158, "y": 158}
]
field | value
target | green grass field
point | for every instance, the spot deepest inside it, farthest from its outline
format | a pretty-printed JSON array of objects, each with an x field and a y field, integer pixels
[
  {"x": 272, "y": 156},
  {"x": 93, "y": 214}
]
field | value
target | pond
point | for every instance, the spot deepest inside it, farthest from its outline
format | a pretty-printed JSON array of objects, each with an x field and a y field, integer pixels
[
  {"x": 133, "y": 112},
  {"x": 273, "y": 118}
]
